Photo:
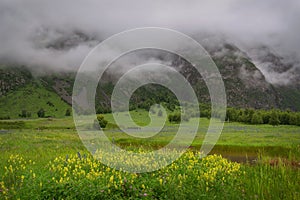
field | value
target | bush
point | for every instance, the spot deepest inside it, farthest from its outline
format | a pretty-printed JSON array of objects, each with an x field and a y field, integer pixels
[
  {"x": 174, "y": 118},
  {"x": 257, "y": 118},
  {"x": 25, "y": 114},
  {"x": 274, "y": 119},
  {"x": 4, "y": 117},
  {"x": 284, "y": 118},
  {"x": 294, "y": 119},
  {"x": 41, "y": 113},
  {"x": 68, "y": 112},
  {"x": 101, "y": 121}
]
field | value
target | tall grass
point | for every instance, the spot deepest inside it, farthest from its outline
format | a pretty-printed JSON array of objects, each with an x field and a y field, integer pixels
[{"x": 268, "y": 181}]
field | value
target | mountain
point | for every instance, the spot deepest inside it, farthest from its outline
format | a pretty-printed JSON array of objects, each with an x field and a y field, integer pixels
[
  {"x": 23, "y": 95},
  {"x": 12, "y": 78},
  {"x": 245, "y": 75},
  {"x": 282, "y": 73}
]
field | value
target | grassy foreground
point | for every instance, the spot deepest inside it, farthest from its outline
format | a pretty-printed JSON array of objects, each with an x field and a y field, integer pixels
[
  {"x": 40, "y": 161},
  {"x": 82, "y": 177}
]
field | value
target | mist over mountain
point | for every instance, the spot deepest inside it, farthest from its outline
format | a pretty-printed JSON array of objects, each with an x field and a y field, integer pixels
[
  {"x": 255, "y": 44},
  {"x": 245, "y": 84},
  {"x": 59, "y": 34}
]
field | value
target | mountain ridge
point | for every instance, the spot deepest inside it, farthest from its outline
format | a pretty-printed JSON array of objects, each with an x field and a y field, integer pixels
[{"x": 245, "y": 84}]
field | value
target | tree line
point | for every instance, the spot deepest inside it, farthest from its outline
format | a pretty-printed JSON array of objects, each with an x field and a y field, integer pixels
[
  {"x": 273, "y": 117},
  {"x": 243, "y": 115}
]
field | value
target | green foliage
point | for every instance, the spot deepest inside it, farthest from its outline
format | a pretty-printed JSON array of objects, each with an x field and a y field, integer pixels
[
  {"x": 205, "y": 114},
  {"x": 274, "y": 119},
  {"x": 25, "y": 114},
  {"x": 266, "y": 117},
  {"x": 284, "y": 117},
  {"x": 257, "y": 118},
  {"x": 174, "y": 117},
  {"x": 242, "y": 117},
  {"x": 79, "y": 176},
  {"x": 41, "y": 113},
  {"x": 103, "y": 110},
  {"x": 232, "y": 115},
  {"x": 101, "y": 121},
  {"x": 4, "y": 117},
  {"x": 294, "y": 119},
  {"x": 68, "y": 112},
  {"x": 12, "y": 124},
  {"x": 83, "y": 177}
]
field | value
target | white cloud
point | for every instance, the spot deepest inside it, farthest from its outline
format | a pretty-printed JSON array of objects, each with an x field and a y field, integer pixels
[{"x": 272, "y": 22}]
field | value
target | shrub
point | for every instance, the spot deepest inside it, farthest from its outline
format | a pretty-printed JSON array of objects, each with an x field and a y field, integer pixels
[
  {"x": 257, "y": 118},
  {"x": 4, "y": 117},
  {"x": 25, "y": 114},
  {"x": 41, "y": 113},
  {"x": 174, "y": 118},
  {"x": 68, "y": 112},
  {"x": 101, "y": 121},
  {"x": 274, "y": 119}
]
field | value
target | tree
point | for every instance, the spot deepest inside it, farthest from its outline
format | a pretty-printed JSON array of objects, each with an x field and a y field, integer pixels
[
  {"x": 294, "y": 119},
  {"x": 4, "y": 117},
  {"x": 231, "y": 114},
  {"x": 248, "y": 115},
  {"x": 266, "y": 117},
  {"x": 174, "y": 118},
  {"x": 284, "y": 118},
  {"x": 205, "y": 113},
  {"x": 274, "y": 119},
  {"x": 28, "y": 114},
  {"x": 68, "y": 112},
  {"x": 242, "y": 117},
  {"x": 25, "y": 114},
  {"x": 257, "y": 118},
  {"x": 41, "y": 113}
]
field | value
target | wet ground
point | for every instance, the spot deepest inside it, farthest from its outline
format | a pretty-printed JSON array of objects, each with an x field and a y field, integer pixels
[
  {"x": 241, "y": 158},
  {"x": 253, "y": 159}
]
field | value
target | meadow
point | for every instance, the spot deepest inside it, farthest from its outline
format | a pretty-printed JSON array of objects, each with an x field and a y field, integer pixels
[{"x": 45, "y": 159}]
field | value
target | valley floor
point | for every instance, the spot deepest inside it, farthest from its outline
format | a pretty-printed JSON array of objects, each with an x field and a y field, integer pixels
[{"x": 40, "y": 160}]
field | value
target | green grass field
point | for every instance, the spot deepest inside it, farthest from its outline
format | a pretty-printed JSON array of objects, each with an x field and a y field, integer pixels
[{"x": 48, "y": 165}]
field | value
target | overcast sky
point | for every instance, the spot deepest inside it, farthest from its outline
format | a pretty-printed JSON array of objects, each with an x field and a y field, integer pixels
[{"x": 27, "y": 27}]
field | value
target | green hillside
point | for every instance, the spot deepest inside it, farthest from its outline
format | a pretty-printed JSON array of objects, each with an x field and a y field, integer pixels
[{"x": 30, "y": 99}]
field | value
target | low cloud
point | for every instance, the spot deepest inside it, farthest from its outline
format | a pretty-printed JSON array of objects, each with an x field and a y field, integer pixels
[{"x": 59, "y": 34}]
